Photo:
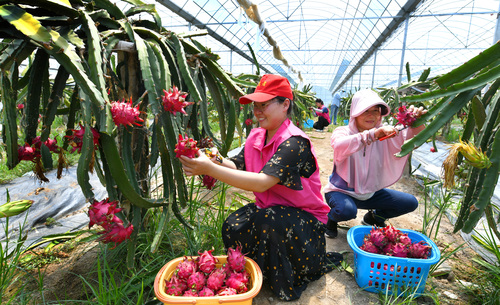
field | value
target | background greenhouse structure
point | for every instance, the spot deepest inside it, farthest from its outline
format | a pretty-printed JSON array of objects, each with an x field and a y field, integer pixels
[
  {"x": 336, "y": 45},
  {"x": 176, "y": 70}
]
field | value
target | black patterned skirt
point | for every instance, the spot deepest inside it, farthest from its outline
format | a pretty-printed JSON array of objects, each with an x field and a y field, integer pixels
[{"x": 287, "y": 243}]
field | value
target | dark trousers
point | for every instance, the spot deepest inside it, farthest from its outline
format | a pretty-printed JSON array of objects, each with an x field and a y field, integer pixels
[
  {"x": 387, "y": 203},
  {"x": 321, "y": 123}
]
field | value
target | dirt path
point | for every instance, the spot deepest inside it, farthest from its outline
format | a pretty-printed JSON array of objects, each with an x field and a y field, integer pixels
[{"x": 340, "y": 287}]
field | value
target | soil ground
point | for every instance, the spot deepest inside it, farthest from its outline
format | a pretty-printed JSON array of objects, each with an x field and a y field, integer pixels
[{"x": 337, "y": 287}]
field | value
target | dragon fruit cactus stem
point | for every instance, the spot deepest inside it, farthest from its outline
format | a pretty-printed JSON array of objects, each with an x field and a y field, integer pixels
[
  {"x": 186, "y": 268},
  {"x": 235, "y": 259},
  {"x": 206, "y": 261},
  {"x": 196, "y": 280}
]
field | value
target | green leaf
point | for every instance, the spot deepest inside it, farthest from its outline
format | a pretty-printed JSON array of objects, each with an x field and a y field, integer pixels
[
  {"x": 25, "y": 23},
  {"x": 478, "y": 111}
]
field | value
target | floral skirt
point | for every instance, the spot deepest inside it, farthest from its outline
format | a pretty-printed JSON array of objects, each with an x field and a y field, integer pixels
[{"x": 287, "y": 243}]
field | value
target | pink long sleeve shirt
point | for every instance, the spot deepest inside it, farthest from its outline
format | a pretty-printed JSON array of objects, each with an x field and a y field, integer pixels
[{"x": 364, "y": 164}]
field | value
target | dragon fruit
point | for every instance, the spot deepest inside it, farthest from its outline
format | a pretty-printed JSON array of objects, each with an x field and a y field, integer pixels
[
  {"x": 76, "y": 139},
  {"x": 391, "y": 233},
  {"x": 377, "y": 237},
  {"x": 196, "y": 280},
  {"x": 206, "y": 261},
  {"x": 186, "y": 268},
  {"x": 175, "y": 286},
  {"x": 238, "y": 281},
  {"x": 216, "y": 279},
  {"x": 208, "y": 181},
  {"x": 185, "y": 147},
  {"x": 190, "y": 293},
  {"x": 126, "y": 114},
  {"x": 227, "y": 291},
  {"x": 400, "y": 250},
  {"x": 404, "y": 117},
  {"x": 419, "y": 250},
  {"x": 175, "y": 101},
  {"x": 235, "y": 259},
  {"x": 206, "y": 292},
  {"x": 368, "y": 246},
  {"x": 392, "y": 242}
]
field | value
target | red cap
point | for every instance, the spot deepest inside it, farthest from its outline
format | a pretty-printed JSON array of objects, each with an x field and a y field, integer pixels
[{"x": 269, "y": 87}]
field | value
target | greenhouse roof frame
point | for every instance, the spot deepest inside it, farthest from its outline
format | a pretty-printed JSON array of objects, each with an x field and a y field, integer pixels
[{"x": 342, "y": 45}]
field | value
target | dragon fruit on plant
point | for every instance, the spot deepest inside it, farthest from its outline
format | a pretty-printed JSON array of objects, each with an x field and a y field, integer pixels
[
  {"x": 175, "y": 101},
  {"x": 126, "y": 114},
  {"x": 404, "y": 117},
  {"x": 76, "y": 139},
  {"x": 208, "y": 181}
]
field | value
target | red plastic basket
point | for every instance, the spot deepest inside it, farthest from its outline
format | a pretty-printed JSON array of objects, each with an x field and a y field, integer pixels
[{"x": 396, "y": 275}]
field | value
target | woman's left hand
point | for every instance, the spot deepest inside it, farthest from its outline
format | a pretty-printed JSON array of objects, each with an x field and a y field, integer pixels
[{"x": 417, "y": 112}]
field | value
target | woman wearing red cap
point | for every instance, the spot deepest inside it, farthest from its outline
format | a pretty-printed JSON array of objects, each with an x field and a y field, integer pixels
[{"x": 283, "y": 231}]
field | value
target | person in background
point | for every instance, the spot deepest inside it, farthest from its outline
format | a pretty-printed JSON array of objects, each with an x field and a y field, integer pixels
[
  {"x": 284, "y": 229},
  {"x": 322, "y": 112},
  {"x": 335, "y": 107},
  {"x": 363, "y": 166}
]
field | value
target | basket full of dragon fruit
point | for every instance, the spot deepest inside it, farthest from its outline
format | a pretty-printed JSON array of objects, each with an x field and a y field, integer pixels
[
  {"x": 393, "y": 260},
  {"x": 208, "y": 279}
]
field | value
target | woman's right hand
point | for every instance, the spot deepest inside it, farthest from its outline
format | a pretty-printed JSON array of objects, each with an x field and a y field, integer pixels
[
  {"x": 386, "y": 131},
  {"x": 200, "y": 165}
]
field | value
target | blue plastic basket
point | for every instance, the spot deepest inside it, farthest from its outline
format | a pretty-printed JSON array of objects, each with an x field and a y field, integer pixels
[
  {"x": 395, "y": 275},
  {"x": 308, "y": 124}
]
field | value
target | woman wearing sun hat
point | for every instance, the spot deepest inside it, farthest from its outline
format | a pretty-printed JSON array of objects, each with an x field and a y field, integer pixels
[{"x": 283, "y": 231}]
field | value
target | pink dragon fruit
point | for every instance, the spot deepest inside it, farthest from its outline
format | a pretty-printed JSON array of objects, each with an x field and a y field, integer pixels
[
  {"x": 419, "y": 250},
  {"x": 238, "y": 281},
  {"x": 186, "y": 147},
  {"x": 368, "y": 246},
  {"x": 387, "y": 249},
  {"x": 190, "y": 293},
  {"x": 400, "y": 250},
  {"x": 116, "y": 233},
  {"x": 208, "y": 181},
  {"x": 126, "y": 114},
  {"x": 206, "y": 261},
  {"x": 404, "y": 239},
  {"x": 404, "y": 117},
  {"x": 76, "y": 139},
  {"x": 196, "y": 280},
  {"x": 235, "y": 259},
  {"x": 392, "y": 234},
  {"x": 227, "y": 291},
  {"x": 206, "y": 292},
  {"x": 100, "y": 212},
  {"x": 186, "y": 268},
  {"x": 377, "y": 237},
  {"x": 216, "y": 279},
  {"x": 175, "y": 101},
  {"x": 175, "y": 286}
]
